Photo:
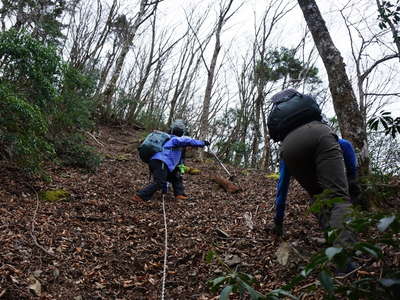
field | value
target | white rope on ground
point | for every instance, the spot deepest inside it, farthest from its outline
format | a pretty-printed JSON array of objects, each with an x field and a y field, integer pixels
[{"x": 165, "y": 249}]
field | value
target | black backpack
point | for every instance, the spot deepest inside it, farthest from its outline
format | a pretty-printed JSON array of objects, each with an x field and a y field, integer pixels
[
  {"x": 291, "y": 112},
  {"x": 152, "y": 144}
]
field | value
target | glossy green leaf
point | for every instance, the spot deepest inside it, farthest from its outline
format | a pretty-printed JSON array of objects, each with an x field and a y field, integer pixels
[
  {"x": 282, "y": 292},
  {"x": 215, "y": 283},
  {"x": 254, "y": 295},
  {"x": 332, "y": 251},
  {"x": 326, "y": 281},
  {"x": 384, "y": 223},
  {"x": 369, "y": 248},
  {"x": 226, "y": 292}
]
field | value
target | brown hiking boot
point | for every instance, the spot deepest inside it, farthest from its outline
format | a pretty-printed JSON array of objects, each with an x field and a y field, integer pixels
[
  {"x": 137, "y": 198},
  {"x": 181, "y": 197}
]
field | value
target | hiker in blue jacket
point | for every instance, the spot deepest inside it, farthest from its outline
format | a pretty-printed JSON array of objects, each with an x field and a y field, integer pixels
[
  {"x": 164, "y": 165},
  {"x": 350, "y": 161}
]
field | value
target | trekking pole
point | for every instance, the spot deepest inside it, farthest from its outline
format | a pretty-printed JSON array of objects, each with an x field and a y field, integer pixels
[{"x": 220, "y": 162}]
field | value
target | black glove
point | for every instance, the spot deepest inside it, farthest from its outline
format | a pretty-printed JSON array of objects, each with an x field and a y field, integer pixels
[
  {"x": 206, "y": 143},
  {"x": 356, "y": 196},
  {"x": 278, "y": 228},
  {"x": 354, "y": 189}
]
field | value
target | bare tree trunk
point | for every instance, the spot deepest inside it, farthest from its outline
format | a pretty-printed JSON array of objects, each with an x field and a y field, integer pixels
[
  {"x": 344, "y": 101},
  {"x": 107, "y": 67},
  {"x": 132, "y": 114},
  {"x": 154, "y": 65},
  {"x": 210, "y": 82},
  {"x": 187, "y": 62},
  {"x": 211, "y": 70},
  {"x": 141, "y": 103},
  {"x": 256, "y": 121},
  {"x": 272, "y": 15},
  {"x": 130, "y": 32},
  {"x": 88, "y": 35},
  {"x": 246, "y": 89},
  {"x": 265, "y": 162}
]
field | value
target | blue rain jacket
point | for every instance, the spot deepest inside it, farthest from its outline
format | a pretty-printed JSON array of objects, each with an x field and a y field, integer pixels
[
  {"x": 350, "y": 161},
  {"x": 172, "y": 153}
]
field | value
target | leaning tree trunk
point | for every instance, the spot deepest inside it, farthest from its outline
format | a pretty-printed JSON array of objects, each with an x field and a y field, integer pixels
[
  {"x": 344, "y": 101},
  {"x": 222, "y": 19},
  {"x": 207, "y": 95},
  {"x": 265, "y": 165},
  {"x": 257, "y": 131},
  {"x": 130, "y": 33},
  {"x": 111, "y": 87}
]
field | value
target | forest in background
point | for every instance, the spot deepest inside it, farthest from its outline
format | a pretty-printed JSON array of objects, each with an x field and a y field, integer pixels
[
  {"x": 66, "y": 66},
  {"x": 81, "y": 82}
]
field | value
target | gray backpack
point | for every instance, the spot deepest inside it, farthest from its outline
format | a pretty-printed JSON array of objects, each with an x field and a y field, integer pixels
[{"x": 152, "y": 144}]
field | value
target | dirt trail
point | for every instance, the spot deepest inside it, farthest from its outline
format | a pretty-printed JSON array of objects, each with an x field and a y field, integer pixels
[{"x": 101, "y": 245}]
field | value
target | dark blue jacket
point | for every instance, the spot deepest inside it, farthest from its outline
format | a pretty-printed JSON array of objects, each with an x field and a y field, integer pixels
[
  {"x": 172, "y": 153},
  {"x": 350, "y": 161}
]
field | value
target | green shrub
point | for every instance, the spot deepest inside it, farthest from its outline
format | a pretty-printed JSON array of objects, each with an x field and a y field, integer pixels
[
  {"x": 152, "y": 120},
  {"x": 73, "y": 152},
  {"x": 74, "y": 105},
  {"x": 381, "y": 232},
  {"x": 29, "y": 72},
  {"x": 22, "y": 132},
  {"x": 235, "y": 282},
  {"x": 31, "y": 68},
  {"x": 378, "y": 191},
  {"x": 379, "y": 235},
  {"x": 43, "y": 104}
]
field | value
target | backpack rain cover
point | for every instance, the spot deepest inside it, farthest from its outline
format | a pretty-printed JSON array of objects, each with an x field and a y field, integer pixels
[{"x": 152, "y": 144}]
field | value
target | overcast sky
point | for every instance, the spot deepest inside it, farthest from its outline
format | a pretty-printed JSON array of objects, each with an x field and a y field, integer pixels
[{"x": 240, "y": 29}]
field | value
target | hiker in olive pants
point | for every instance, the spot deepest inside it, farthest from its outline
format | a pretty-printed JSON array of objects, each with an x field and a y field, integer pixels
[
  {"x": 314, "y": 157},
  {"x": 311, "y": 153}
]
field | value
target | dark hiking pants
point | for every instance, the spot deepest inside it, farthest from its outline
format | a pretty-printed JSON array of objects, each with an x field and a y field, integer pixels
[
  {"x": 314, "y": 157},
  {"x": 161, "y": 175}
]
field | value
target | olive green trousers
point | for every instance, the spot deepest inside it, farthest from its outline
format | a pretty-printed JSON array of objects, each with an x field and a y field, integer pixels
[{"x": 314, "y": 158}]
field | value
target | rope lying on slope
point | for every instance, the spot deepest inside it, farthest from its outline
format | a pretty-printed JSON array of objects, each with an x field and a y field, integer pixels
[{"x": 165, "y": 249}]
